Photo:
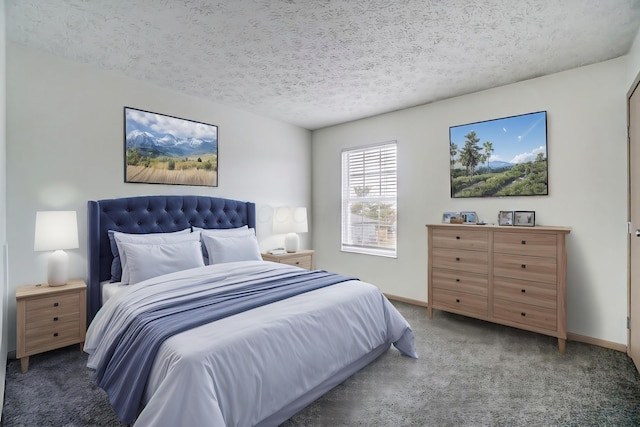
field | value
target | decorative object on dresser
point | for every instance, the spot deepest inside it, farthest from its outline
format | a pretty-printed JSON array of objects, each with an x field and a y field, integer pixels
[
  {"x": 304, "y": 258},
  {"x": 56, "y": 231},
  {"x": 469, "y": 217},
  {"x": 505, "y": 218},
  {"x": 49, "y": 317},
  {"x": 161, "y": 149},
  {"x": 515, "y": 276},
  {"x": 291, "y": 221},
  {"x": 524, "y": 218}
]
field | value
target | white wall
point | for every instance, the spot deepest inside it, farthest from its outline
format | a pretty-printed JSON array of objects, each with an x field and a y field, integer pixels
[
  {"x": 3, "y": 210},
  {"x": 587, "y": 187},
  {"x": 65, "y": 146}
]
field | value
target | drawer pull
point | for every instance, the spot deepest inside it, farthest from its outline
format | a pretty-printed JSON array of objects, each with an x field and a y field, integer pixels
[
  {"x": 523, "y": 291},
  {"x": 523, "y": 314},
  {"x": 297, "y": 262},
  {"x": 457, "y": 300},
  {"x": 55, "y": 319},
  {"x": 55, "y": 334},
  {"x": 55, "y": 304},
  {"x": 523, "y": 266},
  {"x": 457, "y": 280},
  {"x": 457, "y": 258},
  {"x": 457, "y": 237},
  {"x": 524, "y": 242}
]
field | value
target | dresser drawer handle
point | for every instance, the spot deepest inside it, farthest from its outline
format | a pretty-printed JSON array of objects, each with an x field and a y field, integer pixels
[
  {"x": 523, "y": 314},
  {"x": 55, "y": 304},
  {"x": 457, "y": 280},
  {"x": 457, "y": 258},
  {"x": 457, "y": 237},
  {"x": 523, "y": 291},
  {"x": 55, "y": 334},
  {"x": 523, "y": 266},
  {"x": 55, "y": 319},
  {"x": 297, "y": 262},
  {"x": 457, "y": 300},
  {"x": 524, "y": 242}
]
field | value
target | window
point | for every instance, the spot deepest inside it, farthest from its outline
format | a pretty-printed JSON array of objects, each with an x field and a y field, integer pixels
[{"x": 369, "y": 199}]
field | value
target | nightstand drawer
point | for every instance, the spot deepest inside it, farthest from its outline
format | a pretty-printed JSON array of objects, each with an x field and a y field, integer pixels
[
  {"x": 50, "y": 321},
  {"x": 51, "y": 337},
  {"x": 303, "y": 261},
  {"x": 52, "y": 305}
]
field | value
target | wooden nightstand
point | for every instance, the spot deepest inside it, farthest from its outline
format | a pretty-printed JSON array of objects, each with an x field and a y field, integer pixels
[
  {"x": 304, "y": 258},
  {"x": 49, "y": 317}
]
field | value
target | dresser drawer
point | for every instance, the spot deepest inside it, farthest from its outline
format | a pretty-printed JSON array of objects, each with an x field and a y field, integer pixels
[
  {"x": 534, "y": 293},
  {"x": 530, "y": 268},
  {"x": 542, "y": 245},
  {"x": 475, "y": 240},
  {"x": 469, "y": 261},
  {"x": 459, "y": 281},
  {"x": 459, "y": 302},
  {"x": 525, "y": 314},
  {"x": 39, "y": 321}
]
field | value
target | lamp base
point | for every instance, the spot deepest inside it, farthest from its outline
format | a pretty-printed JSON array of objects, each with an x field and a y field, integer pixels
[
  {"x": 58, "y": 272},
  {"x": 291, "y": 242}
]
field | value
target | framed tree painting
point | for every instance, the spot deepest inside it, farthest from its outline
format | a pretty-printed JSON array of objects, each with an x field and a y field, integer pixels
[
  {"x": 161, "y": 149},
  {"x": 500, "y": 157}
]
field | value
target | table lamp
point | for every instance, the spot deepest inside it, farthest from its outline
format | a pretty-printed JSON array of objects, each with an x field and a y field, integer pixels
[
  {"x": 291, "y": 221},
  {"x": 56, "y": 231}
]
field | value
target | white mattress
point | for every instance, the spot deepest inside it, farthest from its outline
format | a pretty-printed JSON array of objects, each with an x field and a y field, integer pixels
[{"x": 109, "y": 289}]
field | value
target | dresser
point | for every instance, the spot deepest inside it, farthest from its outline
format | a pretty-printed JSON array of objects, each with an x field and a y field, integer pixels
[
  {"x": 49, "y": 317},
  {"x": 515, "y": 276},
  {"x": 304, "y": 258}
]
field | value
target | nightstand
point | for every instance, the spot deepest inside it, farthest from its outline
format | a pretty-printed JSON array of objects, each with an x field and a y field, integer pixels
[
  {"x": 49, "y": 317},
  {"x": 304, "y": 258}
]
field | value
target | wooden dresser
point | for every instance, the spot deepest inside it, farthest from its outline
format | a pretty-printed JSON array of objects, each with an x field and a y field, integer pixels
[{"x": 514, "y": 276}]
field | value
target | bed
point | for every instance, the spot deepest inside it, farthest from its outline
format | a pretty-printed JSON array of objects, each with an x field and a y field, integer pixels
[{"x": 239, "y": 341}]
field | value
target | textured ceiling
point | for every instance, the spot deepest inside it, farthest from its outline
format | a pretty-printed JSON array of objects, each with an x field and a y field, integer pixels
[{"x": 316, "y": 63}]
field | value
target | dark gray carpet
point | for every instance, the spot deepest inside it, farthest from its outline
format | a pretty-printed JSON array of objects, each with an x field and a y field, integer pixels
[{"x": 470, "y": 373}]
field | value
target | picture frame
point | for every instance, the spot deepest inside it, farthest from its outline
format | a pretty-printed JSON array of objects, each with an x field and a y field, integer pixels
[
  {"x": 162, "y": 149},
  {"x": 446, "y": 217},
  {"x": 469, "y": 217},
  {"x": 500, "y": 157},
  {"x": 505, "y": 218},
  {"x": 524, "y": 218}
]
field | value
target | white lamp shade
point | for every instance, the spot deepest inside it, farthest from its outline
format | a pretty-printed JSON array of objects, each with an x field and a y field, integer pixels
[
  {"x": 290, "y": 221},
  {"x": 56, "y": 230}
]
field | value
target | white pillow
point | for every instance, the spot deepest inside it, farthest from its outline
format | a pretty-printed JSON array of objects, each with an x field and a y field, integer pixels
[
  {"x": 232, "y": 248},
  {"x": 147, "y": 261},
  {"x": 149, "y": 239},
  {"x": 238, "y": 231}
]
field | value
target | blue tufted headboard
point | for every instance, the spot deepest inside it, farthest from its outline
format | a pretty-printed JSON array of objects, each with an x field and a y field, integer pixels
[{"x": 152, "y": 214}]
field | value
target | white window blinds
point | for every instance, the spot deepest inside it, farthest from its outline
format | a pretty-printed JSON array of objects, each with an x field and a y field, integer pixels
[{"x": 369, "y": 199}]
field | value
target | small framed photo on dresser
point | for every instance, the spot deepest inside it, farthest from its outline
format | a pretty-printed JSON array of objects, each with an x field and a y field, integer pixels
[
  {"x": 524, "y": 218},
  {"x": 505, "y": 218},
  {"x": 469, "y": 217}
]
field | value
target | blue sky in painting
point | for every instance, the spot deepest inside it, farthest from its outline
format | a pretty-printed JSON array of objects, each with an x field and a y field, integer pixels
[
  {"x": 515, "y": 139},
  {"x": 159, "y": 124}
]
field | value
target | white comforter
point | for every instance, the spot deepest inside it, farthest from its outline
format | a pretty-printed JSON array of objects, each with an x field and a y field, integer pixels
[{"x": 240, "y": 370}]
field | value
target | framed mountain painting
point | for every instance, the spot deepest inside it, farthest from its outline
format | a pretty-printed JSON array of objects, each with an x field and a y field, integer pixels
[{"x": 161, "y": 149}]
